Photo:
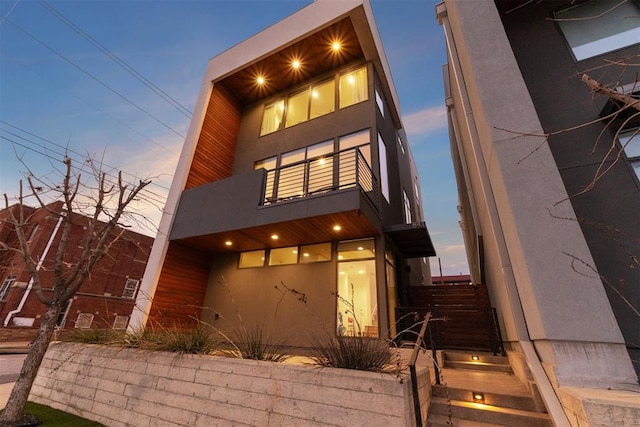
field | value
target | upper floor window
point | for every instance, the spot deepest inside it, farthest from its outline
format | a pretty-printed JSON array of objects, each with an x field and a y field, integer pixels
[
  {"x": 630, "y": 142},
  {"x": 272, "y": 117},
  {"x": 4, "y": 288},
  {"x": 130, "y": 288},
  {"x": 380, "y": 103},
  {"x": 315, "y": 100},
  {"x": 353, "y": 87},
  {"x": 600, "y": 26}
]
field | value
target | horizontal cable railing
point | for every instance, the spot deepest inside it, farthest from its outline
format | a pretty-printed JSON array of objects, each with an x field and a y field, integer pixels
[{"x": 336, "y": 171}]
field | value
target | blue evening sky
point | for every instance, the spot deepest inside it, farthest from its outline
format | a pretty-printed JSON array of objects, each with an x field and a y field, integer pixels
[{"x": 58, "y": 90}]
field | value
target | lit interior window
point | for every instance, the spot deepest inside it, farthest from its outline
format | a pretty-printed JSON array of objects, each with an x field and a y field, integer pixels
[
  {"x": 320, "y": 252},
  {"x": 272, "y": 117},
  {"x": 322, "y": 99},
  {"x": 353, "y": 87},
  {"x": 283, "y": 256},
  {"x": 297, "y": 108},
  {"x": 251, "y": 259}
]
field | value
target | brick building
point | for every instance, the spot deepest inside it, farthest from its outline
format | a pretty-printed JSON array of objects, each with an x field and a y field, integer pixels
[{"x": 107, "y": 297}]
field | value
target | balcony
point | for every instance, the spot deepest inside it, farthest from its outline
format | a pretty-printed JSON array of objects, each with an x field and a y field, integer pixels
[
  {"x": 300, "y": 202},
  {"x": 321, "y": 175}
]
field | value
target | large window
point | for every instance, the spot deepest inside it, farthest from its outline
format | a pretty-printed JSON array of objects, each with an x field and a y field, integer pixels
[
  {"x": 323, "y": 99},
  {"x": 357, "y": 308},
  {"x": 353, "y": 87},
  {"x": 600, "y": 26},
  {"x": 298, "y": 108},
  {"x": 4, "y": 289},
  {"x": 630, "y": 142},
  {"x": 316, "y": 100}
]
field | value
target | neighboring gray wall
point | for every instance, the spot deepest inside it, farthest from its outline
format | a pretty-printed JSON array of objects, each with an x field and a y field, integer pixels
[
  {"x": 609, "y": 215},
  {"x": 518, "y": 185},
  {"x": 117, "y": 387}
]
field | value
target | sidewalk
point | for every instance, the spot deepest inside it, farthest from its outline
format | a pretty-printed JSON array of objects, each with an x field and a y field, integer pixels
[{"x": 5, "y": 391}]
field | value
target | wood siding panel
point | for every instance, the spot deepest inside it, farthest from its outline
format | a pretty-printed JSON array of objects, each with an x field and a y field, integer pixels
[
  {"x": 213, "y": 158},
  {"x": 182, "y": 285}
]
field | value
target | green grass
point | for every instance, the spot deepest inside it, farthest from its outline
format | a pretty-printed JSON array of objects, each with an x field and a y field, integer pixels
[{"x": 54, "y": 418}]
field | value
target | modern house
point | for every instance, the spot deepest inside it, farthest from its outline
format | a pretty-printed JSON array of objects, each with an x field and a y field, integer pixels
[
  {"x": 105, "y": 300},
  {"x": 295, "y": 204},
  {"x": 548, "y": 178}
]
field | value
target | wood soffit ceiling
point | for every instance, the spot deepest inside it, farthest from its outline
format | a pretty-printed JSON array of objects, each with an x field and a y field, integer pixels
[
  {"x": 354, "y": 225},
  {"x": 314, "y": 53}
]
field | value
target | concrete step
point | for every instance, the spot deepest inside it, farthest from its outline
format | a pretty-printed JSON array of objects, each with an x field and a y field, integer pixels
[
  {"x": 478, "y": 366},
  {"x": 474, "y": 356},
  {"x": 488, "y": 414},
  {"x": 510, "y": 400},
  {"x": 437, "y": 420}
]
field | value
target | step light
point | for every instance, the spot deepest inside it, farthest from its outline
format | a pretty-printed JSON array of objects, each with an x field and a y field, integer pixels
[
  {"x": 478, "y": 397},
  {"x": 475, "y": 358}
]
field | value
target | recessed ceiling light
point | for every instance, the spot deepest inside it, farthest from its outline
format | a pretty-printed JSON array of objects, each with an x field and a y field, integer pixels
[
  {"x": 337, "y": 228},
  {"x": 335, "y": 46},
  {"x": 228, "y": 243},
  {"x": 260, "y": 80},
  {"x": 295, "y": 64},
  {"x": 274, "y": 236}
]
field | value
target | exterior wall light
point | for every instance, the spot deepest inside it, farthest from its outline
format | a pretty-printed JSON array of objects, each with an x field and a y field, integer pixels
[
  {"x": 478, "y": 397},
  {"x": 475, "y": 358}
]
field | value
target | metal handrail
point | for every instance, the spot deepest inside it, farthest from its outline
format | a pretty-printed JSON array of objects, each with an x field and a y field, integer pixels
[{"x": 336, "y": 171}]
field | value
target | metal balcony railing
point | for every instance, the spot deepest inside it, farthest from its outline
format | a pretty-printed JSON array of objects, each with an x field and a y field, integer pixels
[{"x": 323, "y": 174}]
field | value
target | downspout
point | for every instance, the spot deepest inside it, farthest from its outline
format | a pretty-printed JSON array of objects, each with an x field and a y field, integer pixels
[{"x": 38, "y": 266}]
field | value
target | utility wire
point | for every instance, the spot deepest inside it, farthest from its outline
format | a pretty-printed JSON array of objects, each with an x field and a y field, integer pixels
[
  {"x": 93, "y": 77},
  {"x": 149, "y": 195},
  {"x": 115, "y": 58},
  {"x": 67, "y": 149}
]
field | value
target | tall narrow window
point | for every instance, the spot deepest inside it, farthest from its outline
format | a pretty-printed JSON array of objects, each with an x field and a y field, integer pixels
[
  {"x": 384, "y": 175},
  {"x": 380, "y": 103},
  {"x": 353, "y": 87},
  {"x": 298, "y": 108},
  {"x": 349, "y": 159},
  {"x": 357, "y": 308},
  {"x": 4, "y": 288},
  {"x": 323, "y": 99},
  {"x": 630, "y": 142},
  {"x": 599, "y": 26},
  {"x": 272, "y": 117},
  {"x": 270, "y": 165},
  {"x": 407, "y": 207}
]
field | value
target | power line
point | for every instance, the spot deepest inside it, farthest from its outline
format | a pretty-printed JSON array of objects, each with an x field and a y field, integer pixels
[
  {"x": 93, "y": 77},
  {"x": 149, "y": 195},
  {"x": 115, "y": 58},
  {"x": 67, "y": 149},
  {"x": 43, "y": 78}
]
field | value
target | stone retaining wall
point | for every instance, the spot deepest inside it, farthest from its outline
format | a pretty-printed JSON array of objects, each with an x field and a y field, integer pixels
[{"x": 118, "y": 387}]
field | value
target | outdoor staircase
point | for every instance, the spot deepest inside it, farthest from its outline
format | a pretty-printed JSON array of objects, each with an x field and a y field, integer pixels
[{"x": 506, "y": 401}]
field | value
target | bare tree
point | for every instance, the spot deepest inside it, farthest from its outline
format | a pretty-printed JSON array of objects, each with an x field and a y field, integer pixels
[{"x": 101, "y": 208}]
